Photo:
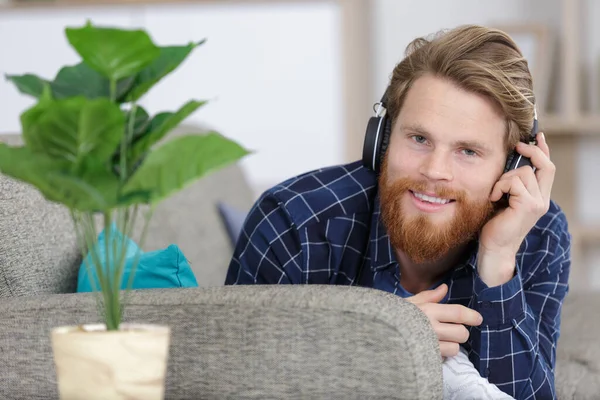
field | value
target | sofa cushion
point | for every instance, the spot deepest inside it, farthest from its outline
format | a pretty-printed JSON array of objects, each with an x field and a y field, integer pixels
[{"x": 233, "y": 220}]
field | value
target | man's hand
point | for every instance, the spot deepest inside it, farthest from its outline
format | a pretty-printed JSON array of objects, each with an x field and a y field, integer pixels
[
  {"x": 529, "y": 200},
  {"x": 448, "y": 320}
]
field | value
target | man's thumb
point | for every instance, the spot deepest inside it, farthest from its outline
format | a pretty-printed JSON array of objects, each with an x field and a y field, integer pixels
[{"x": 430, "y": 296}]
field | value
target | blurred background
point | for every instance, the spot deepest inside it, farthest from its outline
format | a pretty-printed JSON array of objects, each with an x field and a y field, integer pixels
[{"x": 295, "y": 81}]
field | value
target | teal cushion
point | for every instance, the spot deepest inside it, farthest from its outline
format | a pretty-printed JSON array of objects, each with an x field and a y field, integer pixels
[{"x": 159, "y": 269}]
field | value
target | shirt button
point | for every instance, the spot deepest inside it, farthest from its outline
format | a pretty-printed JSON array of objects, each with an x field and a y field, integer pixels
[
  {"x": 487, "y": 372},
  {"x": 486, "y": 304}
]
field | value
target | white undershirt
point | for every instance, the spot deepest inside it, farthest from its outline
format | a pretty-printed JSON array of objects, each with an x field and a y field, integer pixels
[{"x": 463, "y": 382}]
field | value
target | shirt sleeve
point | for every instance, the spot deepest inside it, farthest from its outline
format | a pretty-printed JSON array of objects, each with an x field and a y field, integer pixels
[
  {"x": 268, "y": 250},
  {"x": 515, "y": 346}
]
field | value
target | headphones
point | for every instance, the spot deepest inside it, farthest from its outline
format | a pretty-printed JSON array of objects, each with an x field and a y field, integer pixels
[{"x": 379, "y": 127}]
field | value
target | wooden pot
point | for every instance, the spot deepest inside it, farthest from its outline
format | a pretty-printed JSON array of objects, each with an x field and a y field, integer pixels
[{"x": 93, "y": 363}]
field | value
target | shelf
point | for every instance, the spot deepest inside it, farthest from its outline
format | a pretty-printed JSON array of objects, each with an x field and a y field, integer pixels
[
  {"x": 44, "y": 4},
  {"x": 585, "y": 125}
]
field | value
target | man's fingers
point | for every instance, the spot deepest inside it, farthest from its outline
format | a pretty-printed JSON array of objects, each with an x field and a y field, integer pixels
[
  {"x": 527, "y": 177},
  {"x": 456, "y": 333},
  {"x": 512, "y": 185},
  {"x": 545, "y": 168},
  {"x": 452, "y": 313},
  {"x": 429, "y": 296},
  {"x": 542, "y": 144},
  {"x": 449, "y": 349}
]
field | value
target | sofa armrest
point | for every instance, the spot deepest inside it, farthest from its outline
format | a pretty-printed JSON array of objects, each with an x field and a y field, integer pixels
[
  {"x": 248, "y": 341},
  {"x": 38, "y": 247}
]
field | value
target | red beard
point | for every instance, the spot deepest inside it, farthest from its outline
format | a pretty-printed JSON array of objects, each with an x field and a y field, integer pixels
[{"x": 417, "y": 236}]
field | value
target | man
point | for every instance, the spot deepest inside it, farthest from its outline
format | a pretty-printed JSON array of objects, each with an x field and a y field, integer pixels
[{"x": 434, "y": 225}]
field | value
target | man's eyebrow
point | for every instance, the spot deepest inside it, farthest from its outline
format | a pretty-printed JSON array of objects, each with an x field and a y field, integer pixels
[
  {"x": 470, "y": 144},
  {"x": 416, "y": 128}
]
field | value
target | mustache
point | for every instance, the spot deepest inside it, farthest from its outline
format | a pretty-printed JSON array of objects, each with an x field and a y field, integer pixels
[{"x": 402, "y": 185}]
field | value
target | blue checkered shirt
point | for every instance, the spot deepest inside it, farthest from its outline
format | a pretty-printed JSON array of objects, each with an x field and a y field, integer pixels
[{"x": 324, "y": 227}]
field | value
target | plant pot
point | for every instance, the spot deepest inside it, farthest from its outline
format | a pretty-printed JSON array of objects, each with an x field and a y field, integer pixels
[{"x": 92, "y": 363}]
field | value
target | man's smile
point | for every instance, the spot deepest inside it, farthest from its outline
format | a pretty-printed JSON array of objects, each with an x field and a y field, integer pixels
[{"x": 428, "y": 203}]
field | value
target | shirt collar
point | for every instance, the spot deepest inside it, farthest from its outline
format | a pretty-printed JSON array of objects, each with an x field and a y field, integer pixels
[
  {"x": 382, "y": 253},
  {"x": 471, "y": 260}
]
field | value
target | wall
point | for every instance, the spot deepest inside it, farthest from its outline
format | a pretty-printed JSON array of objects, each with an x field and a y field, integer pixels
[
  {"x": 395, "y": 23},
  {"x": 271, "y": 73}
]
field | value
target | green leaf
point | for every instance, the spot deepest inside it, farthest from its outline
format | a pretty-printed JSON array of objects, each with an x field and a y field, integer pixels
[
  {"x": 74, "y": 128},
  {"x": 51, "y": 177},
  {"x": 180, "y": 161},
  {"x": 169, "y": 59},
  {"x": 43, "y": 126},
  {"x": 115, "y": 53},
  {"x": 71, "y": 81},
  {"x": 162, "y": 124},
  {"x": 46, "y": 96},
  {"x": 78, "y": 194},
  {"x": 82, "y": 80},
  {"x": 28, "y": 84},
  {"x": 123, "y": 87},
  {"x": 141, "y": 124},
  {"x": 22, "y": 164},
  {"x": 96, "y": 188},
  {"x": 101, "y": 129}
]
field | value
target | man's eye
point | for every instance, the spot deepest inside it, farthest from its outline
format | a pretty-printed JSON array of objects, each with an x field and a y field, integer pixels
[
  {"x": 419, "y": 139},
  {"x": 469, "y": 152}
]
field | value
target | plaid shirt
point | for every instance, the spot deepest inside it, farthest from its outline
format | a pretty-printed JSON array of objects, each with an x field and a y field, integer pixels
[{"x": 324, "y": 227}]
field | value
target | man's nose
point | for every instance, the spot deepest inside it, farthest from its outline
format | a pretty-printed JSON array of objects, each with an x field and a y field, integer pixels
[{"x": 437, "y": 166}]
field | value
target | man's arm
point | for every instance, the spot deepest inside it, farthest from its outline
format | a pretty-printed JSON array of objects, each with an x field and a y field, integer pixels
[
  {"x": 268, "y": 250},
  {"x": 515, "y": 345}
]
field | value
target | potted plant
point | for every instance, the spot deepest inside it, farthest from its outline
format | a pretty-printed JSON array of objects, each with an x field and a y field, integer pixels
[{"x": 91, "y": 147}]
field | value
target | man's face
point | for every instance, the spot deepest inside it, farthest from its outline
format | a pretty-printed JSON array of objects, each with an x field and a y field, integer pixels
[{"x": 446, "y": 152}]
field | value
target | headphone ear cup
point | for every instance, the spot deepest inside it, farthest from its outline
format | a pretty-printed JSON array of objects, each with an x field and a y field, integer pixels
[
  {"x": 385, "y": 141},
  {"x": 372, "y": 143},
  {"x": 510, "y": 160}
]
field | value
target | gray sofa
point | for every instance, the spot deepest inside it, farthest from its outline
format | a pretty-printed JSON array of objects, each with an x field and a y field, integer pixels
[{"x": 236, "y": 342}]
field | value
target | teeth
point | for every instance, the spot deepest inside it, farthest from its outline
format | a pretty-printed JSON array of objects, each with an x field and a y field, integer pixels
[{"x": 431, "y": 199}]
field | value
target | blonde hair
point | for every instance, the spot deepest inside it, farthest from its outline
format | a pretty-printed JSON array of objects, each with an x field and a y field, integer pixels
[{"x": 477, "y": 59}]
